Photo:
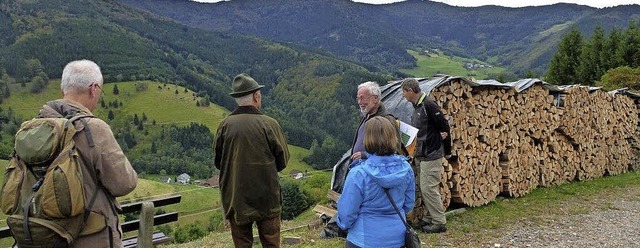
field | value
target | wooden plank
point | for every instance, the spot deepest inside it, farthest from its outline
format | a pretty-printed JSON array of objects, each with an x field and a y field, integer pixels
[
  {"x": 332, "y": 195},
  {"x": 157, "y": 220},
  {"x": 319, "y": 209},
  {"x": 136, "y": 206},
  {"x": 5, "y": 232}
]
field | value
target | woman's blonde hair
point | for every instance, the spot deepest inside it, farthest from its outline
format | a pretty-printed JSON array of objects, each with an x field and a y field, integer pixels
[{"x": 380, "y": 136}]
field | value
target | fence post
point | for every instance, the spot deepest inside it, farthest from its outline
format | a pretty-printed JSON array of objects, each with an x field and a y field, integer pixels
[{"x": 145, "y": 233}]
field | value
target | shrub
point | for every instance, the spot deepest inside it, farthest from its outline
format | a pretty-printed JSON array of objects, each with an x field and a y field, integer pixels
[
  {"x": 294, "y": 201},
  {"x": 189, "y": 232}
]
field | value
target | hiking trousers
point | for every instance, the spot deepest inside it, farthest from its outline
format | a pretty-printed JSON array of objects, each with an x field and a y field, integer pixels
[
  {"x": 429, "y": 183},
  {"x": 268, "y": 230}
]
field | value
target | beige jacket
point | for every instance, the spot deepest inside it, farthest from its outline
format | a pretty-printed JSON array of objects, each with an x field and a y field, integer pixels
[{"x": 115, "y": 173}]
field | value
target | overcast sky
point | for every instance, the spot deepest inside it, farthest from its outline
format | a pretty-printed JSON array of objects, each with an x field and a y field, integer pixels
[{"x": 508, "y": 3}]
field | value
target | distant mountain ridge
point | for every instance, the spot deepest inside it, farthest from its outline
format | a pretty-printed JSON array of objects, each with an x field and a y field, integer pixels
[
  {"x": 309, "y": 92},
  {"x": 378, "y": 35}
]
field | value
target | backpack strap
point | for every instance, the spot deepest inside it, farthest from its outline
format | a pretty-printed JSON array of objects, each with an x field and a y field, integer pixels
[
  {"x": 92, "y": 170},
  {"x": 25, "y": 213},
  {"x": 82, "y": 117}
]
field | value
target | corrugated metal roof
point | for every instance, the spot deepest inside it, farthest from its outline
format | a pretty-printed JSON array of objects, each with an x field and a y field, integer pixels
[
  {"x": 625, "y": 91},
  {"x": 492, "y": 83}
]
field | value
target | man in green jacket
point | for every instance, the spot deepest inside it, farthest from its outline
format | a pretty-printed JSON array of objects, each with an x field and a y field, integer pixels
[{"x": 250, "y": 150}]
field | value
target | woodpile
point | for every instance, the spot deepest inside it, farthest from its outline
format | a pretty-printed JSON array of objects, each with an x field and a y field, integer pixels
[
  {"x": 508, "y": 139},
  {"x": 508, "y": 142},
  {"x": 635, "y": 143}
]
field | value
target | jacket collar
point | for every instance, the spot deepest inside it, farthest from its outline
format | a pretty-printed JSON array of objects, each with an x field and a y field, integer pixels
[
  {"x": 420, "y": 100},
  {"x": 381, "y": 111},
  {"x": 62, "y": 108},
  {"x": 246, "y": 110}
]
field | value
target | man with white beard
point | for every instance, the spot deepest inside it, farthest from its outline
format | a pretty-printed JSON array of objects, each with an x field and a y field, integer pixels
[{"x": 369, "y": 101}]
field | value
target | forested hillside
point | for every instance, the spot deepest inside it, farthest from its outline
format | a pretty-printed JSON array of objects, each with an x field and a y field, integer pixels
[
  {"x": 40, "y": 37},
  {"x": 378, "y": 35}
]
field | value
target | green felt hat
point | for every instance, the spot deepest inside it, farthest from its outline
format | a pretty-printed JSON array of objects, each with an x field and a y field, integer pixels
[{"x": 244, "y": 85}]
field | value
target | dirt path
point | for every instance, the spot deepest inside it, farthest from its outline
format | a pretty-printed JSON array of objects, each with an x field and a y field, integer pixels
[{"x": 612, "y": 223}]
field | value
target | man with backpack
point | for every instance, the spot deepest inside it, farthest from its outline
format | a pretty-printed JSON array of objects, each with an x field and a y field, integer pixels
[
  {"x": 85, "y": 213},
  {"x": 433, "y": 128}
]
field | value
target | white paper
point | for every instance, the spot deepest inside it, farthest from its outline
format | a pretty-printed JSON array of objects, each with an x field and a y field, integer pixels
[{"x": 408, "y": 133}]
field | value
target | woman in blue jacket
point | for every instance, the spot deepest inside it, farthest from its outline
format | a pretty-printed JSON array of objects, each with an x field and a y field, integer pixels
[{"x": 363, "y": 208}]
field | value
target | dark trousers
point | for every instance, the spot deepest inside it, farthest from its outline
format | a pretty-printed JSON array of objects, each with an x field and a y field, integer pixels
[{"x": 268, "y": 230}]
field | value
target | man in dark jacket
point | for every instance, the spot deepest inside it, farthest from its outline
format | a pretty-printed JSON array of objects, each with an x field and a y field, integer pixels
[
  {"x": 250, "y": 150},
  {"x": 432, "y": 129}
]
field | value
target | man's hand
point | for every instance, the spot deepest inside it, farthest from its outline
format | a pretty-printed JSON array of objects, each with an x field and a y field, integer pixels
[
  {"x": 356, "y": 155},
  {"x": 444, "y": 135}
]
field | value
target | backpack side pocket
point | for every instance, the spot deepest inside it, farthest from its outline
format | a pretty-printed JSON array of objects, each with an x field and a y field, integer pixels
[{"x": 10, "y": 194}]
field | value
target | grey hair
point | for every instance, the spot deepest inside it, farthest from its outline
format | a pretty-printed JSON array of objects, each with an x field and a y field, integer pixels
[
  {"x": 372, "y": 87},
  {"x": 79, "y": 75},
  {"x": 244, "y": 100}
]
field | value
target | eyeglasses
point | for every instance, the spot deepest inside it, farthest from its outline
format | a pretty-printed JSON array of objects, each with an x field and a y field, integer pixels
[
  {"x": 97, "y": 85},
  {"x": 366, "y": 98}
]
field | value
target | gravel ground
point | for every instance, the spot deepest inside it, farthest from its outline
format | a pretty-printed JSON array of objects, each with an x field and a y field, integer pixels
[{"x": 612, "y": 223}]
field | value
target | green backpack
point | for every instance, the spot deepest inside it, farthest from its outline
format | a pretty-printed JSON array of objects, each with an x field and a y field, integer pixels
[{"x": 43, "y": 189}]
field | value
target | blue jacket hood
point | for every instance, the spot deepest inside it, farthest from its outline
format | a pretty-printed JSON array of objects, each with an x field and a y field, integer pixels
[
  {"x": 365, "y": 210},
  {"x": 387, "y": 171}
]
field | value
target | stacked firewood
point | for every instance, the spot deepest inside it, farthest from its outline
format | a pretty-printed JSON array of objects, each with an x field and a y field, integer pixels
[
  {"x": 635, "y": 143},
  {"x": 478, "y": 137},
  {"x": 509, "y": 142}
]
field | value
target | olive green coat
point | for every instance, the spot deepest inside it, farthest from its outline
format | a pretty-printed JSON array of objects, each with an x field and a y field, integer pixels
[
  {"x": 113, "y": 168},
  {"x": 250, "y": 149}
]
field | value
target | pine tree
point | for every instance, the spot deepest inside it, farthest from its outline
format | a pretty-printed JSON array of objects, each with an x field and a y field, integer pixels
[
  {"x": 140, "y": 126},
  {"x": 154, "y": 148},
  {"x": 611, "y": 47},
  {"x": 294, "y": 201},
  {"x": 630, "y": 50},
  {"x": 110, "y": 115},
  {"x": 135, "y": 119},
  {"x": 116, "y": 91},
  {"x": 563, "y": 68},
  {"x": 590, "y": 69}
]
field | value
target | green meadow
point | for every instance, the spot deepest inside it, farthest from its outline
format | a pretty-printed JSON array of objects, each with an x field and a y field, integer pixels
[
  {"x": 431, "y": 64},
  {"x": 158, "y": 102}
]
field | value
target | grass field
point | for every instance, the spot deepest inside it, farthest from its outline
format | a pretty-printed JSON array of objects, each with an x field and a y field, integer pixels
[
  {"x": 429, "y": 65},
  {"x": 158, "y": 102}
]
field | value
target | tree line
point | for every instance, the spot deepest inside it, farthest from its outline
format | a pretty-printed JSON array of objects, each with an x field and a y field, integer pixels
[
  {"x": 604, "y": 60},
  {"x": 177, "y": 150}
]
